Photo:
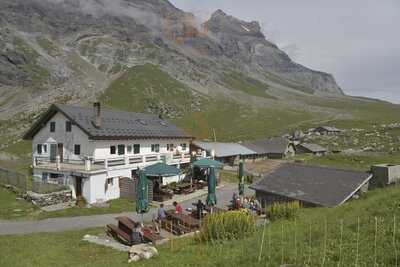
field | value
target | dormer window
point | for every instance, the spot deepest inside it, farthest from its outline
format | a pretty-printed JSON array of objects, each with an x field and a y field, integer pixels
[{"x": 52, "y": 127}]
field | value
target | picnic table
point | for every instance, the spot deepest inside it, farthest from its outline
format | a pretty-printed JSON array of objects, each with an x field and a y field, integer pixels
[
  {"x": 183, "y": 219},
  {"x": 125, "y": 229},
  {"x": 184, "y": 188}
]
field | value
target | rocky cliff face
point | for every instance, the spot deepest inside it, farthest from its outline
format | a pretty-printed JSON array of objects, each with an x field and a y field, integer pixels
[
  {"x": 245, "y": 42},
  {"x": 71, "y": 50}
]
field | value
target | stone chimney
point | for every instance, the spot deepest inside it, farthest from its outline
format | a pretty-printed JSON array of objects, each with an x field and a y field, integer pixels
[{"x": 97, "y": 114}]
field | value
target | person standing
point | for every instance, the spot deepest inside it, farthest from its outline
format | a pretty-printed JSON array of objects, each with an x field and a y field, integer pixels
[
  {"x": 160, "y": 217},
  {"x": 200, "y": 207}
]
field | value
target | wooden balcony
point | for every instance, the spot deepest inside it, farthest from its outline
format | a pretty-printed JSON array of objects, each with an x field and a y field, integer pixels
[{"x": 90, "y": 165}]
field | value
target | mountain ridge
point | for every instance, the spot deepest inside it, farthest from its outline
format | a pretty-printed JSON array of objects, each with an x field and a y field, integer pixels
[{"x": 77, "y": 52}]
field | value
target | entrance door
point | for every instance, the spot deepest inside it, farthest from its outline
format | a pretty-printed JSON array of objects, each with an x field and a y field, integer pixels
[
  {"x": 60, "y": 151},
  {"x": 53, "y": 152},
  {"x": 78, "y": 186}
]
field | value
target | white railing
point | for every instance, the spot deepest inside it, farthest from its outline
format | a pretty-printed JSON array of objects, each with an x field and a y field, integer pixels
[{"x": 89, "y": 164}]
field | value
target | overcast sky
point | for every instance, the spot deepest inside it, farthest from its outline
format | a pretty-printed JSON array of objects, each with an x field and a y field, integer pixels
[{"x": 358, "y": 41}]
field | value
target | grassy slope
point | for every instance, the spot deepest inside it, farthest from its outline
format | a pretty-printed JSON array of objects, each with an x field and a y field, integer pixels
[
  {"x": 148, "y": 84},
  {"x": 356, "y": 162},
  {"x": 9, "y": 205},
  {"x": 67, "y": 249},
  {"x": 237, "y": 81},
  {"x": 13, "y": 209}
]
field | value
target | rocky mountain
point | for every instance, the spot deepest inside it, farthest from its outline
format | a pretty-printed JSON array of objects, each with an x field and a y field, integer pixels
[{"x": 147, "y": 55}]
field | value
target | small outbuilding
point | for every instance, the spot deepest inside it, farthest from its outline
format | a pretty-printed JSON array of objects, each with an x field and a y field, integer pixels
[
  {"x": 313, "y": 186},
  {"x": 227, "y": 153},
  {"x": 385, "y": 174},
  {"x": 327, "y": 130},
  {"x": 307, "y": 148},
  {"x": 272, "y": 148}
]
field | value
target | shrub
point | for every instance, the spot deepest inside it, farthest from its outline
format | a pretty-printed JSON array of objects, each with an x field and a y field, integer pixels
[
  {"x": 227, "y": 225},
  {"x": 284, "y": 210}
]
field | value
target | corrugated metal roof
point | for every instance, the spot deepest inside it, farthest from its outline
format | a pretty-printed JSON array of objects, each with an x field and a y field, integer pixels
[
  {"x": 224, "y": 149},
  {"x": 312, "y": 184},
  {"x": 114, "y": 124}
]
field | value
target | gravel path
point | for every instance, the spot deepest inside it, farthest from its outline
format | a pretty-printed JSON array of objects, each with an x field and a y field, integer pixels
[{"x": 224, "y": 195}]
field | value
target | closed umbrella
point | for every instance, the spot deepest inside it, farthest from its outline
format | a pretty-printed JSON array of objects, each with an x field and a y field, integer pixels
[
  {"x": 212, "y": 184},
  {"x": 241, "y": 179},
  {"x": 142, "y": 194}
]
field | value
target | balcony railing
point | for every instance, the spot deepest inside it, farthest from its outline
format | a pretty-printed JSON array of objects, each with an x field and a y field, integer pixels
[{"x": 105, "y": 164}]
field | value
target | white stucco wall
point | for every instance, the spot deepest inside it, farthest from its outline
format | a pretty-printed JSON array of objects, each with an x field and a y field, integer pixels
[
  {"x": 98, "y": 193},
  {"x": 61, "y": 136},
  {"x": 102, "y": 148}
]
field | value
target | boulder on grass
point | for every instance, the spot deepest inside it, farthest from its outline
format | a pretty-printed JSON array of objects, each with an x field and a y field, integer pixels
[{"x": 142, "y": 251}]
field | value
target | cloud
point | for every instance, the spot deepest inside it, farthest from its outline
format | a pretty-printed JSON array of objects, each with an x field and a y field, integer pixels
[{"x": 354, "y": 40}]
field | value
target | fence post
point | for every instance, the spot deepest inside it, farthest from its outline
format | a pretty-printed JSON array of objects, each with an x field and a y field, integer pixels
[
  {"x": 58, "y": 162},
  {"x": 375, "y": 241},
  {"x": 358, "y": 237},
  {"x": 394, "y": 240},
  {"x": 262, "y": 241},
  {"x": 341, "y": 240}
]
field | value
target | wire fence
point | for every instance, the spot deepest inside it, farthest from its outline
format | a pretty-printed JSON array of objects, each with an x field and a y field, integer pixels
[
  {"x": 14, "y": 179},
  {"x": 364, "y": 242}
]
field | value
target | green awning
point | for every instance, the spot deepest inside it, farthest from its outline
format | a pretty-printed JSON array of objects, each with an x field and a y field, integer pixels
[
  {"x": 161, "y": 169},
  {"x": 207, "y": 163}
]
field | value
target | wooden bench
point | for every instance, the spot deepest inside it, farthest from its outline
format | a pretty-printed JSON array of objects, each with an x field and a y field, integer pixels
[
  {"x": 150, "y": 236},
  {"x": 174, "y": 227},
  {"x": 115, "y": 232}
]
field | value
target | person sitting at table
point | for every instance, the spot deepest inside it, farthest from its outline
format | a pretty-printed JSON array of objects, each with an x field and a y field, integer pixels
[
  {"x": 178, "y": 208},
  {"x": 137, "y": 234}
]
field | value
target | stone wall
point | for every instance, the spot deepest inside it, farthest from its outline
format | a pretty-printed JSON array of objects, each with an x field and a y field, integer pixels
[{"x": 55, "y": 198}]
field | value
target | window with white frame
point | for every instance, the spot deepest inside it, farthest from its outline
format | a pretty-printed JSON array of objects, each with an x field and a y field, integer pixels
[
  {"x": 155, "y": 148},
  {"x": 183, "y": 146},
  {"x": 170, "y": 147},
  {"x": 136, "y": 148},
  {"x": 129, "y": 149},
  {"x": 39, "y": 149},
  {"x": 121, "y": 149}
]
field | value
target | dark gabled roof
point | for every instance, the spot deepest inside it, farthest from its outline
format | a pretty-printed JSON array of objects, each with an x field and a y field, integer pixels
[
  {"x": 312, "y": 184},
  {"x": 314, "y": 148},
  {"x": 274, "y": 145},
  {"x": 115, "y": 125},
  {"x": 328, "y": 128}
]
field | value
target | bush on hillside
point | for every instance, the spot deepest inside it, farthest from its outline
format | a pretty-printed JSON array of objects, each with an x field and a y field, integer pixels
[
  {"x": 227, "y": 225},
  {"x": 284, "y": 210}
]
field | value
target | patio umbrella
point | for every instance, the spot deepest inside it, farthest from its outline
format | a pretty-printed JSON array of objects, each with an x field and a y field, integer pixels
[
  {"x": 207, "y": 163},
  {"x": 212, "y": 184},
  {"x": 241, "y": 179},
  {"x": 161, "y": 169},
  {"x": 142, "y": 194}
]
